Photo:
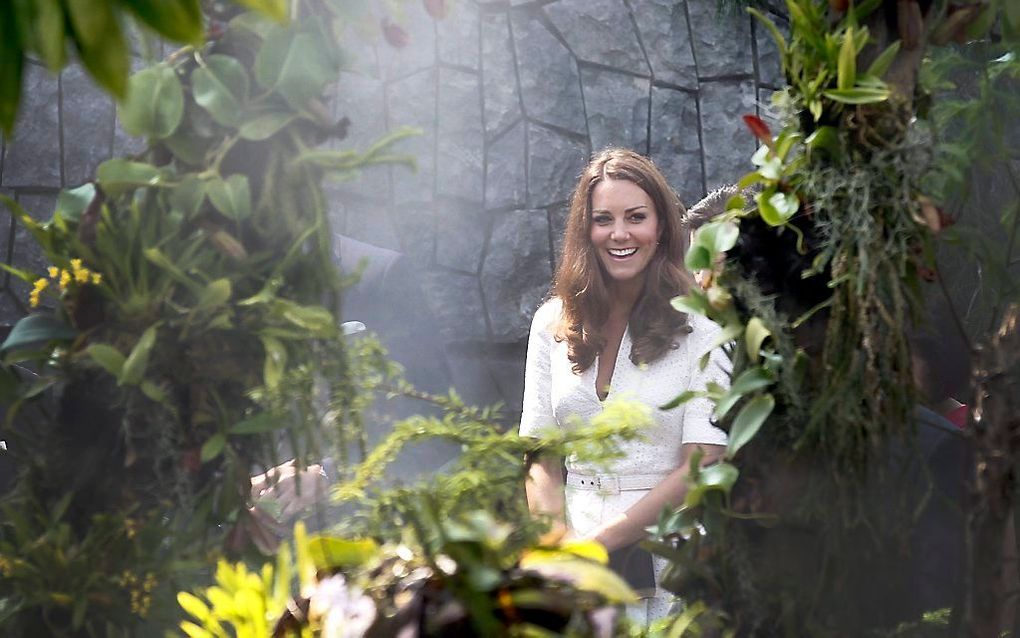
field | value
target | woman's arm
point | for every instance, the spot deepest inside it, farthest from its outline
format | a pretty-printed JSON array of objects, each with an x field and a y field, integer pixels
[
  {"x": 544, "y": 488},
  {"x": 629, "y": 527}
]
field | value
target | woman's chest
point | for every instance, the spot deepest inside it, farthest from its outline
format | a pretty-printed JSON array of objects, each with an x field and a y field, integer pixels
[{"x": 651, "y": 384}]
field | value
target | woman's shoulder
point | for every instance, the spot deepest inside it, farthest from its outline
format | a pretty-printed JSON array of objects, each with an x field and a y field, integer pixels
[{"x": 549, "y": 313}]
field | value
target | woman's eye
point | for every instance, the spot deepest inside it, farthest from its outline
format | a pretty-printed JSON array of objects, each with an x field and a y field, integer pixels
[
  {"x": 602, "y": 220},
  {"x": 638, "y": 217}
]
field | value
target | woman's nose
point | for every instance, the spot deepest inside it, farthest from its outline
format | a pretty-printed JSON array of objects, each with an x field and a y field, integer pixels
[{"x": 619, "y": 232}]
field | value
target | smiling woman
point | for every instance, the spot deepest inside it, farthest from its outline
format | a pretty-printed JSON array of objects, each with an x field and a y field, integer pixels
[{"x": 609, "y": 329}]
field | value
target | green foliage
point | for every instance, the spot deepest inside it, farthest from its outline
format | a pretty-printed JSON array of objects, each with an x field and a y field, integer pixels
[{"x": 189, "y": 323}]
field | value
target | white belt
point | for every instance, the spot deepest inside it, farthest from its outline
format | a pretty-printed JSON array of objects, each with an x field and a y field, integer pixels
[{"x": 612, "y": 483}]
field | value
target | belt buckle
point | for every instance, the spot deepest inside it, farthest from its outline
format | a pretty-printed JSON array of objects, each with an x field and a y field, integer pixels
[{"x": 607, "y": 485}]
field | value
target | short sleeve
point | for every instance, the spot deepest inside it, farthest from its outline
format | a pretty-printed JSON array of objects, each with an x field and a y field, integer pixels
[
  {"x": 537, "y": 412},
  {"x": 698, "y": 427}
]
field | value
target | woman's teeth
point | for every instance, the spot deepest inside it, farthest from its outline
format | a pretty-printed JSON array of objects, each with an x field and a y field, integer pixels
[{"x": 622, "y": 252}]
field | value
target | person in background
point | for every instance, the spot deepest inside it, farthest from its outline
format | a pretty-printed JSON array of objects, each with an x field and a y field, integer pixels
[{"x": 608, "y": 330}]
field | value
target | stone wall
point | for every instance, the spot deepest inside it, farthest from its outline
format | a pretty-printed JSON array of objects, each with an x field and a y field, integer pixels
[{"x": 512, "y": 96}]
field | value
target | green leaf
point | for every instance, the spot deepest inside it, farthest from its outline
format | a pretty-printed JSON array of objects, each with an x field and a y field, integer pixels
[
  {"x": 232, "y": 196},
  {"x": 857, "y": 95},
  {"x": 154, "y": 104},
  {"x": 755, "y": 334},
  {"x": 749, "y": 381},
  {"x": 72, "y": 202},
  {"x": 187, "y": 197},
  {"x": 35, "y": 330},
  {"x": 258, "y": 424},
  {"x": 261, "y": 125},
  {"x": 216, "y": 294},
  {"x": 825, "y": 138},
  {"x": 698, "y": 258},
  {"x": 12, "y": 64},
  {"x": 138, "y": 360},
  {"x": 680, "y": 399},
  {"x": 177, "y": 20},
  {"x": 108, "y": 358},
  {"x": 332, "y": 553},
  {"x": 846, "y": 70},
  {"x": 776, "y": 208},
  {"x": 749, "y": 420},
  {"x": 276, "y": 360},
  {"x": 221, "y": 87},
  {"x": 213, "y": 447},
  {"x": 694, "y": 302},
  {"x": 584, "y": 575},
  {"x": 156, "y": 256},
  {"x": 154, "y": 392},
  {"x": 317, "y": 320},
  {"x": 296, "y": 65},
  {"x": 772, "y": 29},
  {"x": 711, "y": 240},
  {"x": 884, "y": 61},
  {"x": 49, "y": 33},
  {"x": 119, "y": 175},
  {"x": 275, "y": 9},
  {"x": 717, "y": 477},
  {"x": 736, "y": 202},
  {"x": 101, "y": 46}
]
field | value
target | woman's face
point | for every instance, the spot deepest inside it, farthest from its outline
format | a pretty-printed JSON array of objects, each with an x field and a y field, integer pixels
[{"x": 624, "y": 229}]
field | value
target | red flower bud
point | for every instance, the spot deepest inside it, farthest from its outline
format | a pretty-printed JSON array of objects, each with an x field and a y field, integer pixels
[
  {"x": 759, "y": 128},
  {"x": 395, "y": 34},
  {"x": 436, "y": 8}
]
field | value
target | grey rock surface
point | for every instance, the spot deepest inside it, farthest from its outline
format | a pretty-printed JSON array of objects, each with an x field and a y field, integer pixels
[
  {"x": 554, "y": 162},
  {"x": 458, "y": 35},
  {"x": 499, "y": 78},
  {"x": 616, "y": 105},
  {"x": 456, "y": 301},
  {"x": 506, "y": 169},
  {"x": 463, "y": 229},
  {"x": 519, "y": 245},
  {"x": 667, "y": 41},
  {"x": 722, "y": 40},
  {"x": 770, "y": 66},
  {"x": 550, "y": 84},
  {"x": 87, "y": 122},
  {"x": 460, "y": 151},
  {"x": 361, "y": 98},
  {"x": 411, "y": 101},
  {"x": 600, "y": 31},
  {"x": 32, "y": 155},
  {"x": 728, "y": 143}
]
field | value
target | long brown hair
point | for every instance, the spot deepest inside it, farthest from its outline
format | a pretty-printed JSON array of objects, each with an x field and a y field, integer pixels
[{"x": 580, "y": 281}]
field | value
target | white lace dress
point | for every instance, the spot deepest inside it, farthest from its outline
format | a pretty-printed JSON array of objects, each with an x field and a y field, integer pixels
[{"x": 553, "y": 394}]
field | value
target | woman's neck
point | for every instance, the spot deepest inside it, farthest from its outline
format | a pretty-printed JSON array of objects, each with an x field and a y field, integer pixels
[{"x": 623, "y": 296}]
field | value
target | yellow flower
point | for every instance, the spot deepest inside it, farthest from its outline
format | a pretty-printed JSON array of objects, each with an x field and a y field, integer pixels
[
  {"x": 97, "y": 278},
  {"x": 82, "y": 276},
  {"x": 53, "y": 271},
  {"x": 37, "y": 288},
  {"x": 65, "y": 279},
  {"x": 75, "y": 264}
]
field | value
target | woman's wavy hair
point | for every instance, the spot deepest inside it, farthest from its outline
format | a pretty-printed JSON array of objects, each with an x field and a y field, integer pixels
[{"x": 580, "y": 281}]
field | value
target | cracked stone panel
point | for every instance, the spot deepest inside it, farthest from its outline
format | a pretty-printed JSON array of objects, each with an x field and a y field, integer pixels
[
  {"x": 464, "y": 226},
  {"x": 458, "y": 35},
  {"x": 505, "y": 169},
  {"x": 412, "y": 102},
  {"x": 456, "y": 302},
  {"x": 415, "y": 226},
  {"x": 722, "y": 40},
  {"x": 770, "y": 65},
  {"x": 550, "y": 83},
  {"x": 617, "y": 109},
  {"x": 87, "y": 122},
  {"x": 728, "y": 143},
  {"x": 499, "y": 78},
  {"x": 675, "y": 142},
  {"x": 460, "y": 149},
  {"x": 32, "y": 155},
  {"x": 554, "y": 162},
  {"x": 600, "y": 31},
  {"x": 667, "y": 40},
  {"x": 361, "y": 99},
  {"x": 366, "y": 221},
  {"x": 420, "y": 51},
  {"x": 516, "y": 274},
  {"x": 507, "y": 370},
  {"x": 471, "y": 373}
]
